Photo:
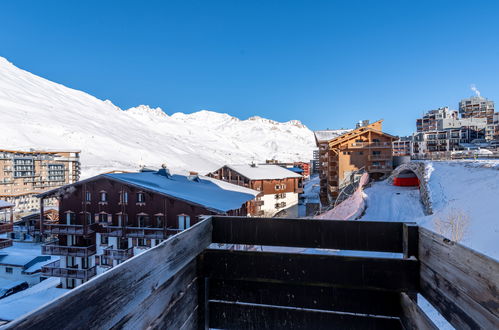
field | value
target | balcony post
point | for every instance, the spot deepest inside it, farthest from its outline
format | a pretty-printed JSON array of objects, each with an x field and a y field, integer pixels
[{"x": 41, "y": 217}]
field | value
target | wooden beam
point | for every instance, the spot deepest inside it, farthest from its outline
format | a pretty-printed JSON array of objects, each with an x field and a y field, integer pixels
[
  {"x": 247, "y": 316},
  {"x": 412, "y": 317},
  {"x": 308, "y": 269},
  {"x": 410, "y": 240},
  {"x": 452, "y": 274},
  {"x": 363, "y": 301},
  {"x": 147, "y": 280},
  {"x": 326, "y": 234}
]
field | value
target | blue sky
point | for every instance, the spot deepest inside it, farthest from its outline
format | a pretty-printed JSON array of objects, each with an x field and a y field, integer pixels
[{"x": 326, "y": 63}]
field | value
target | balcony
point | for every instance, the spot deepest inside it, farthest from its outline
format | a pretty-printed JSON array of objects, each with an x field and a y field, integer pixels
[
  {"x": 258, "y": 203},
  {"x": 5, "y": 242},
  {"x": 371, "y": 145},
  {"x": 62, "y": 229},
  {"x": 62, "y": 250},
  {"x": 380, "y": 157},
  {"x": 380, "y": 168},
  {"x": 6, "y": 228},
  {"x": 54, "y": 269},
  {"x": 118, "y": 254},
  {"x": 140, "y": 232}
]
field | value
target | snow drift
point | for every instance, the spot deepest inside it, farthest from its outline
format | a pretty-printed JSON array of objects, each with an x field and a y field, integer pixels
[{"x": 37, "y": 113}]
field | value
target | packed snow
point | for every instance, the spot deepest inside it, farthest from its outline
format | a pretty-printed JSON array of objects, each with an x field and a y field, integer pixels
[
  {"x": 466, "y": 187},
  {"x": 38, "y": 113}
]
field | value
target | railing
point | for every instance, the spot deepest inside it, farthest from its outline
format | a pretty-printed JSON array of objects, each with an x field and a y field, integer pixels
[
  {"x": 5, "y": 242},
  {"x": 371, "y": 145},
  {"x": 62, "y": 250},
  {"x": 139, "y": 232},
  {"x": 54, "y": 269},
  {"x": 63, "y": 229},
  {"x": 118, "y": 254},
  {"x": 380, "y": 157},
  {"x": 6, "y": 227},
  {"x": 199, "y": 279}
]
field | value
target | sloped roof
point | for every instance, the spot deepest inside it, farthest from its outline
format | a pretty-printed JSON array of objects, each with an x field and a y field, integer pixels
[
  {"x": 263, "y": 172},
  {"x": 207, "y": 192},
  {"x": 4, "y": 204},
  {"x": 329, "y": 134},
  {"x": 357, "y": 132}
]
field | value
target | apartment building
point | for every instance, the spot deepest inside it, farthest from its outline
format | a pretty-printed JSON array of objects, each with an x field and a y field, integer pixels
[
  {"x": 6, "y": 223},
  {"x": 404, "y": 146},
  {"x": 477, "y": 107},
  {"x": 24, "y": 174},
  {"x": 365, "y": 147},
  {"x": 429, "y": 121},
  {"x": 109, "y": 218},
  {"x": 279, "y": 187}
]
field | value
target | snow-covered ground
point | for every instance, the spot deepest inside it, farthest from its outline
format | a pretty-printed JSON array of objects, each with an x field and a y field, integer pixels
[
  {"x": 37, "y": 113},
  {"x": 30, "y": 299}
]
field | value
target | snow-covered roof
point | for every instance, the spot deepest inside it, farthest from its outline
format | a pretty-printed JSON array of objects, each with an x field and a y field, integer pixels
[
  {"x": 207, "y": 192},
  {"x": 329, "y": 134},
  {"x": 20, "y": 260},
  {"x": 4, "y": 204},
  {"x": 263, "y": 172}
]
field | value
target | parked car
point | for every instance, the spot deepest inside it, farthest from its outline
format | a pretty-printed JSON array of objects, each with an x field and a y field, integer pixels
[{"x": 12, "y": 288}]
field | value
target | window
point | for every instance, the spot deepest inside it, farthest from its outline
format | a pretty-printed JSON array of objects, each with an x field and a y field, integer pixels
[
  {"x": 104, "y": 240},
  {"x": 124, "y": 197},
  {"x": 104, "y": 261},
  {"x": 184, "y": 221},
  {"x": 88, "y": 196},
  {"x": 142, "y": 220},
  {"x": 141, "y": 197},
  {"x": 158, "y": 221},
  {"x": 376, "y": 140},
  {"x": 103, "y": 196},
  {"x": 103, "y": 218},
  {"x": 9, "y": 270},
  {"x": 141, "y": 242},
  {"x": 376, "y": 152},
  {"x": 277, "y": 187},
  {"x": 70, "y": 218},
  {"x": 361, "y": 152},
  {"x": 88, "y": 218},
  {"x": 122, "y": 219}
]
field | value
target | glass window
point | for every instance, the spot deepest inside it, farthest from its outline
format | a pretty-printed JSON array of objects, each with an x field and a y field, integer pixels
[
  {"x": 103, "y": 196},
  {"x": 104, "y": 240},
  {"x": 88, "y": 196},
  {"x": 141, "y": 197},
  {"x": 9, "y": 270}
]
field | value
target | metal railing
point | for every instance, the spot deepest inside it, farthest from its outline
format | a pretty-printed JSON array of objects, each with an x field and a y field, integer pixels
[
  {"x": 63, "y": 229},
  {"x": 371, "y": 145},
  {"x": 140, "y": 232},
  {"x": 118, "y": 254}
]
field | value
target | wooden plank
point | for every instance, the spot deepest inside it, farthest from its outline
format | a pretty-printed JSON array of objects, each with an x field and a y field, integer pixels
[
  {"x": 327, "y": 234},
  {"x": 470, "y": 272},
  {"x": 457, "y": 307},
  {"x": 412, "y": 317},
  {"x": 309, "y": 269},
  {"x": 410, "y": 240},
  {"x": 111, "y": 298},
  {"x": 374, "y": 302},
  {"x": 247, "y": 316}
]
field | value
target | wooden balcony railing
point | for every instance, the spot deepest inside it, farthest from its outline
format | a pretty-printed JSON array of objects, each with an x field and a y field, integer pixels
[
  {"x": 371, "y": 145},
  {"x": 196, "y": 279},
  {"x": 6, "y": 228},
  {"x": 54, "y": 269},
  {"x": 118, "y": 254},
  {"x": 63, "y": 229},
  {"x": 139, "y": 232},
  {"x": 61, "y": 250},
  {"x": 5, "y": 242}
]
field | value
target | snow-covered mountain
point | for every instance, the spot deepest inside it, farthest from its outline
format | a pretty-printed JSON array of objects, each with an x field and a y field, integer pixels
[{"x": 37, "y": 113}]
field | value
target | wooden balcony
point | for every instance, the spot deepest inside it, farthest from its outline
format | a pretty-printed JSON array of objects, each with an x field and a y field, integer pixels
[
  {"x": 184, "y": 283},
  {"x": 62, "y": 250},
  {"x": 54, "y": 269},
  {"x": 5, "y": 242},
  {"x": 118, "y": 254},
  {"x": 140, "y": 232},
  {"x": 374, "y": 145},
  {"x": 63, "y": 229},
  {"x": 379, "y": 168},
  {"x": 380, "y": 157},
  {"x": 6, "y": 227}
]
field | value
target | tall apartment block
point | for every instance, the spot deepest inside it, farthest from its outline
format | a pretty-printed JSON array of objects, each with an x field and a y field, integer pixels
[
  {"x": 429, "y": 121},
  {"x": 24, "y": 174},
  {"x": 477, "y": 107}
]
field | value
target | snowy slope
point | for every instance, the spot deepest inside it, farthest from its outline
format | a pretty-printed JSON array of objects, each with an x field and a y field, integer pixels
[
  {"x": 37, "y": 113},
  {"x": 470, "y": 187}
]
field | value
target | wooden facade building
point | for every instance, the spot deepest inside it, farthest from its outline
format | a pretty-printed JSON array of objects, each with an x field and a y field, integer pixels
[{"x": 366, "y": 147}]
